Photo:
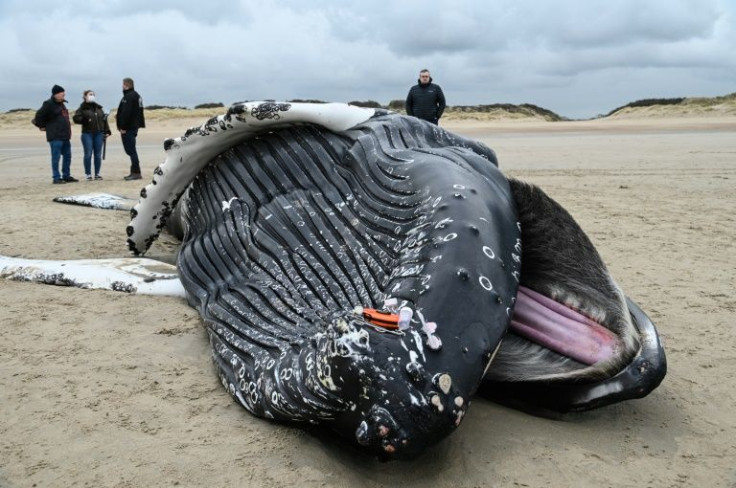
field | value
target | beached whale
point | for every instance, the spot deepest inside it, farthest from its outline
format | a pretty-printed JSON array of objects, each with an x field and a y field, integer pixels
[
  {"x": 361, "y": 269},
  {"x": 294, "y": 215}
]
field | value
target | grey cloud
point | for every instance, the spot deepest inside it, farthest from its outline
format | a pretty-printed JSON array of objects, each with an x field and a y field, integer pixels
[{"x": 409, "y": 25}]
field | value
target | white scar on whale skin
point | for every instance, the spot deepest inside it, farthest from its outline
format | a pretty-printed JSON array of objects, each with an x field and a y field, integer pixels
[
  {"x": 131, "y": 275},
  {"x": 226, "y": 205}
]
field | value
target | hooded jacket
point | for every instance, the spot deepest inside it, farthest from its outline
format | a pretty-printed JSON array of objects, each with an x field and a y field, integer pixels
[
  {"x": 426, "y": 101},
  {"x": 92, "y": 118},
  {"x": 53, "y": 117},
  {"x": 130, "y": 111}
]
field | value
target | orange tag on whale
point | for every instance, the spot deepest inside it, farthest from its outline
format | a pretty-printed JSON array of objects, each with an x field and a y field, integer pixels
[{"x": 381, "y": 319}]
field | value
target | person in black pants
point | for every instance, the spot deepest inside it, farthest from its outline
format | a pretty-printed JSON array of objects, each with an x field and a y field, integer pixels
[
  {"x": 129, "y": 118},
  {"x": 53, "y": 118},
  {"x": 425, "y": 100}
]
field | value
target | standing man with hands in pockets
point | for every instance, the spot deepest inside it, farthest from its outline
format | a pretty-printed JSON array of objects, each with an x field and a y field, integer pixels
[
  {"x": 53, "y": 118},
  {"x": 425, "y": 100},
  {"x": 129, "y": 119}
]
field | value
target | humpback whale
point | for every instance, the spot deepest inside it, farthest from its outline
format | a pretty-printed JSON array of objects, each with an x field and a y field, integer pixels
[{"x": 302, "y": 223}]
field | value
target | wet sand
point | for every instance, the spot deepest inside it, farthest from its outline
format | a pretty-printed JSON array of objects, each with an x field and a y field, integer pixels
[{"x": 109, "y": 389}]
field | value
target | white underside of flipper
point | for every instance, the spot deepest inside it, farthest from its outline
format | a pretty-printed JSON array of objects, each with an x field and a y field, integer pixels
[
  {"x": 106, "y": 201},
  {"x": 131, "y": 275}
]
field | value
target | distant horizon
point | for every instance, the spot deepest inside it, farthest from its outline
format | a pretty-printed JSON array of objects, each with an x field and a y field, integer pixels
[{"x": 385, "y": 105}]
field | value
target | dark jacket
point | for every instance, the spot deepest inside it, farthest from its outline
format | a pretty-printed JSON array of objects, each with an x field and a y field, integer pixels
[
  {"x": 130, "y": 111},
  {"x": 54, "y": 118},
  {"x": 92, "y": 118},
  {"x": 426, "y": 101}
]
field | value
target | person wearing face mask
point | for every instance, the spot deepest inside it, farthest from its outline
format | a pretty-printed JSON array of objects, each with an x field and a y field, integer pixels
[
  {"x": 95, "y": 130},
  {"x": 53, "y": 118},
  {"x": 129, "y": 119}
]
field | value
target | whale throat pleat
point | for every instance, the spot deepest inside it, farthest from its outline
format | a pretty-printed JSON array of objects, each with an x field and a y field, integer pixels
[
  {"x": 288, "y": 233},
  {"x": 284, "y": 230}
]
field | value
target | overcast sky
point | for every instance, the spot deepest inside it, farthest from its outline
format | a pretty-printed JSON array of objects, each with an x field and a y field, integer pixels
[{"x": 578, "y": 58}]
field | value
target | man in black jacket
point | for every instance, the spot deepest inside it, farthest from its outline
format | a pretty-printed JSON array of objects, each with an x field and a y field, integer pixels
[
  {"x": 129, "y": 119},
  {"x": 425, "y": 100},
  {"x": 53, "y": 118}
]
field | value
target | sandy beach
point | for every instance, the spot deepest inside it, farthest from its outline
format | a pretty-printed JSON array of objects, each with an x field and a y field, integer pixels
[{"x": 107, "y": 389}]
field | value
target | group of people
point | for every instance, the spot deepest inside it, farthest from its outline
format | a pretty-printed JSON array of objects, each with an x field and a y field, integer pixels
[
  {"x": 425, "y": 101},
  {"x": 53, "y": 118}
]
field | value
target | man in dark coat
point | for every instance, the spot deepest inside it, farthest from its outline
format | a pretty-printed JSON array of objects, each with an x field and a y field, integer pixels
[
  {"x": 129, "y": 119},
  {"x": 53, "y": 118},
  {"x": 425, "y": 100}
]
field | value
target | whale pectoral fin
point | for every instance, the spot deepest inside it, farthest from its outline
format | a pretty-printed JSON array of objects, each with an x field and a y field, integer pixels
[
  {"x": 130, "y": 275},
  {"x": 106, "y": 201}
]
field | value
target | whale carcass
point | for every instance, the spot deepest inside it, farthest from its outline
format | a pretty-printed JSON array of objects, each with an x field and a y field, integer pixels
[
  {"x": 302, "y": 223},
  {"x": 296, "y": 217}
]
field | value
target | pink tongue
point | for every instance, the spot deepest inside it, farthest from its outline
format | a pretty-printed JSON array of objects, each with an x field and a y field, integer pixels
[{"x": 561, "y": 329}]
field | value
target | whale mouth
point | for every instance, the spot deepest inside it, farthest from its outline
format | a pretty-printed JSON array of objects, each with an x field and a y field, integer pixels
[
  {"x": 562, "y": 329},
  {"x": 545, "y": 397},
  {"x": 575, "y": 341}
]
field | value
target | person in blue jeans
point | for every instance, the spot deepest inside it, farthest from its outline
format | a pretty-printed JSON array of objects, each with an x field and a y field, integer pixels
[
  {"x": 95, "y": 130},
  {"x": 53, "y": 118},
  {"x": 129, "y": 118}
]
